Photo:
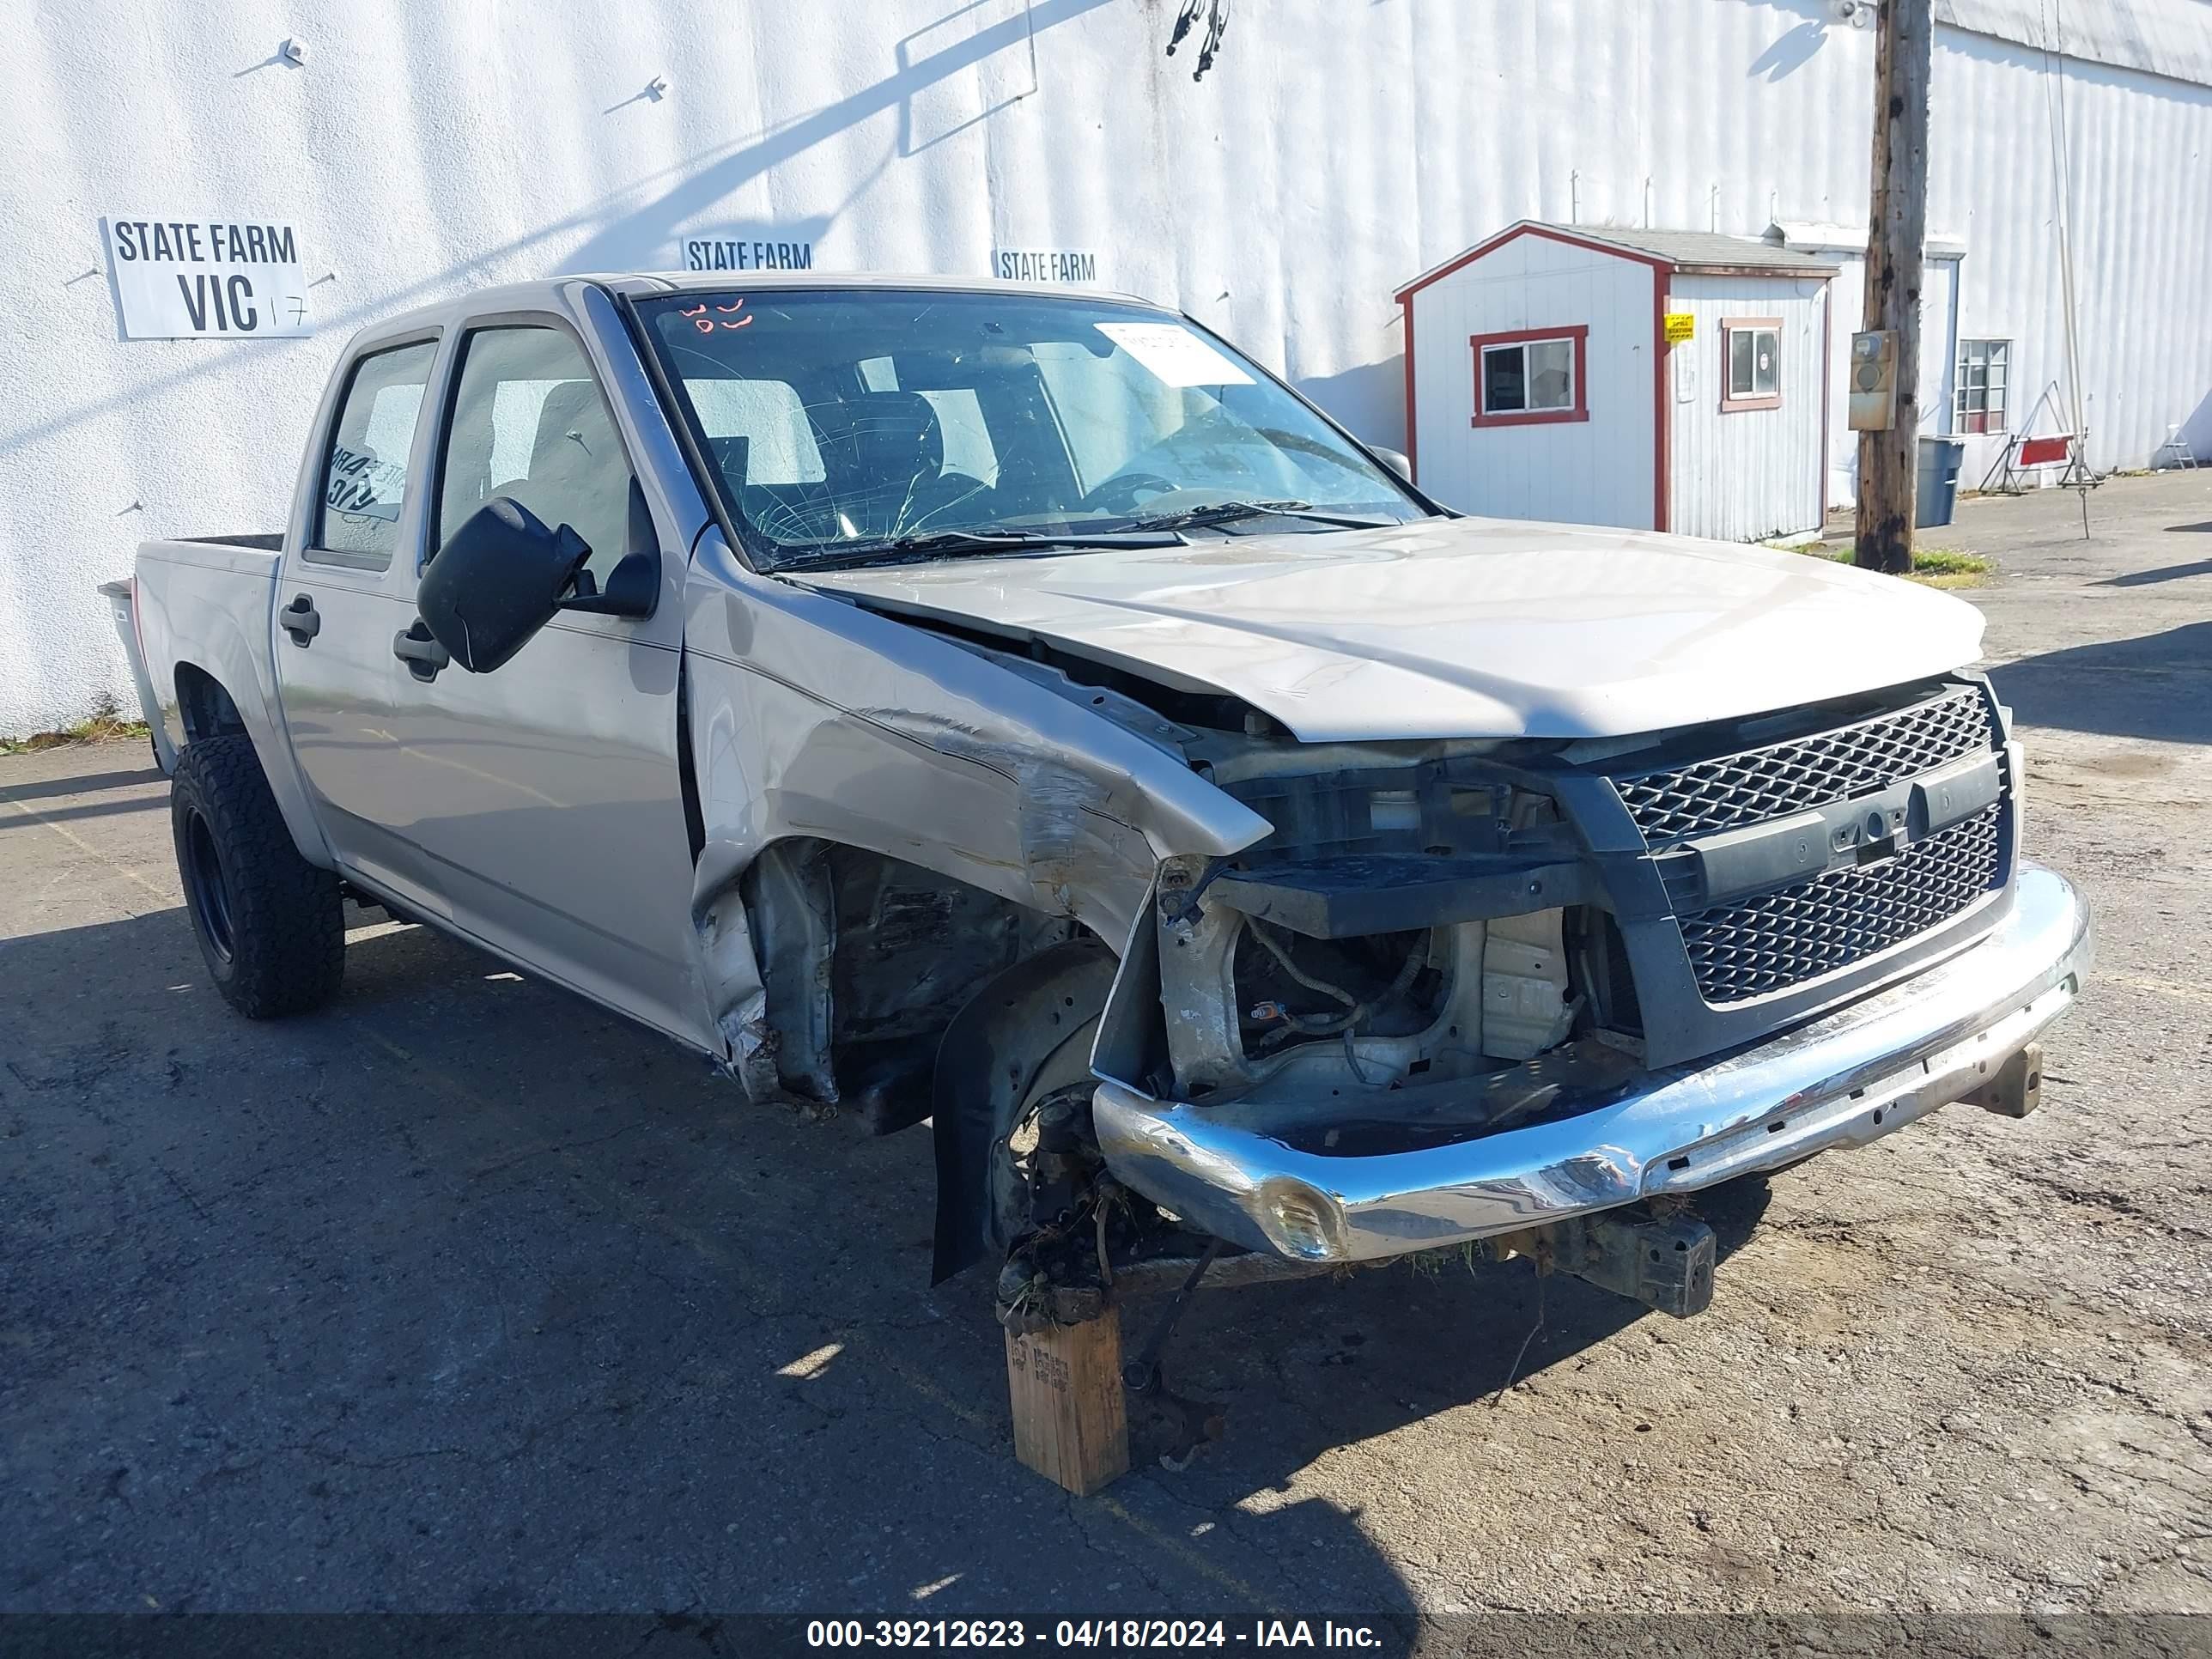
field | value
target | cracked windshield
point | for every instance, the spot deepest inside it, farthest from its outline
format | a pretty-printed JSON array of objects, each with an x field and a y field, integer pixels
[{"x": 863, "y": 428}]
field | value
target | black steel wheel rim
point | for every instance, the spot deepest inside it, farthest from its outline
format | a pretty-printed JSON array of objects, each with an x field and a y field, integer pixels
[{"x": 211, "y": 897}]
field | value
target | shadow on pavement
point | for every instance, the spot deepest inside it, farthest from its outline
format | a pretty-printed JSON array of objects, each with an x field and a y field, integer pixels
[
  {"x": 463, "y": 1295},
  {"x": 2166, "y": 573},
  {"x": 2152, "y": 686},
  {"x": 95, "y": 808},
  {"x": 88, "y": 783}
]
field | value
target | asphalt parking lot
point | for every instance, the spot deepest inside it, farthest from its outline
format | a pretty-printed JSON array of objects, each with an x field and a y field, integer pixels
[{"x": 465, "y": 1296}]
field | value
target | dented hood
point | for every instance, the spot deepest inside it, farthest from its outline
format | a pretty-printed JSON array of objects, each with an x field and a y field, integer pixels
[{"x": 1451, "y": 628}]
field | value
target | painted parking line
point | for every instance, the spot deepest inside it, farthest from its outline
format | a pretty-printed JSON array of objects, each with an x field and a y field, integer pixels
[{"x": 168, "y": 899}]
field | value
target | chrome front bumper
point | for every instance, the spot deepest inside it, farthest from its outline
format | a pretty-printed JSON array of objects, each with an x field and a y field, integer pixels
[{"x": 1842, "y": 1080}]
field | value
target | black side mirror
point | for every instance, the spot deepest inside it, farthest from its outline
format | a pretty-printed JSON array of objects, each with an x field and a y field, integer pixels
[
  {"x": 633, "y": 586},
  {"x": 1391, "y": 458},
  {"x": 496, "y": 581},
  {"x": 502, "y": 575}
]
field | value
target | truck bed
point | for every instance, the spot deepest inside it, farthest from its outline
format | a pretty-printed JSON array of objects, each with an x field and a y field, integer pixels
[
  {"x": 214, "y": 591},
  {"x": 268, "y": 542}
]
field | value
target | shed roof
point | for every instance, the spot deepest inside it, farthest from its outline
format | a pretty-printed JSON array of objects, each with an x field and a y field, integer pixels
[
  {"x": 1815, "y": 236},
  {"x": 1699, "y": 250},
  {"x": 1693, "y": 252}
]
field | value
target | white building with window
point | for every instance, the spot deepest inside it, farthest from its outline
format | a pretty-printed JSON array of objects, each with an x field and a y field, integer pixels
[
  {"x": 394, "y": 157},
  {"x": 1655, "y": 379}
]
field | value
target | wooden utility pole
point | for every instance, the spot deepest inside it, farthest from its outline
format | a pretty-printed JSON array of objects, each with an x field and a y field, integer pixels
[{"x": 1889, "y": 460}]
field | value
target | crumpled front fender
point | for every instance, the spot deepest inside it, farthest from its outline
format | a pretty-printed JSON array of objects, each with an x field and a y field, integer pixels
[{"x": 812, "y": 717}]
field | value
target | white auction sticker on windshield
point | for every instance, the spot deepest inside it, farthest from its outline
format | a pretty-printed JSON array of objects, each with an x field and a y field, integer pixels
[{"x": 1175, "y": 354}]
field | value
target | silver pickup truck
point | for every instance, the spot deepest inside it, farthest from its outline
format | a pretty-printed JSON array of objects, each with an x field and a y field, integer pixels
[{"x": 1017, "y": 710}]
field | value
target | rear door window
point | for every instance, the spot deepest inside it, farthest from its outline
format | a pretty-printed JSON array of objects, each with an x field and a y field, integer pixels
[{"x": 364, "y": 477}]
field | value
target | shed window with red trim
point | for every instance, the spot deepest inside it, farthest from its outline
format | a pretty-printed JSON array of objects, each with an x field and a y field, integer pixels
[
  {"x": 1752, "y": 348},
  {"x": 1530, "y": 376}
]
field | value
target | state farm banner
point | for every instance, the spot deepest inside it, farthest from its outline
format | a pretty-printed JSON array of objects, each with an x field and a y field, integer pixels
[{"x": 198, "y": 278}]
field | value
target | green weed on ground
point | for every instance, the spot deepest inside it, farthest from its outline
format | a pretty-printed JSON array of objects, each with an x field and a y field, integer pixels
[
  {"x": 105, "y": 722},
  {"x": 1932, "y": 567}
]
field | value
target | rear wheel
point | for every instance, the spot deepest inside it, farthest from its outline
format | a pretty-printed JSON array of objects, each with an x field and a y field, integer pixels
[{"x": 269, "y": 923}]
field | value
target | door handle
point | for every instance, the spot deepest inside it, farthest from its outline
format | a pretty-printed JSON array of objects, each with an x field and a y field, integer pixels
[
  {"x": 300, "y": 619},
  {"x": 423, "y": 655}
]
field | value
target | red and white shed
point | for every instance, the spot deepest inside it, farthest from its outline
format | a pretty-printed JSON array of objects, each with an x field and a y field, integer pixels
[{"x": 1650, "y": 379}]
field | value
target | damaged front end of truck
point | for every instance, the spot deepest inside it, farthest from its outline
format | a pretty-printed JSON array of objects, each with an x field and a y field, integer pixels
[
  {"x": 1523, "y": 994},
  {"x": 1532, "y": 994},
  {"x": 1242, "y": 861}
]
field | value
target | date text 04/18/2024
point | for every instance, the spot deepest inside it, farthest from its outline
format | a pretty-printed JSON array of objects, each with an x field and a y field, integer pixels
[{"x": 1088, "y": 1634}]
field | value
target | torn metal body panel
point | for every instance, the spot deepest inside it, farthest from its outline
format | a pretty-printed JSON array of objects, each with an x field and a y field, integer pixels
[
  {"x": 1027, "y": 1036},
  {"x": 815, "y": 721}
]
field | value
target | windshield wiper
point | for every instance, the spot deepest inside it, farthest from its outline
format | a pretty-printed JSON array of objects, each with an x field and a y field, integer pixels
[
  {"x": 1213, "y": 513},
  {"x": 935, "y": 544}
]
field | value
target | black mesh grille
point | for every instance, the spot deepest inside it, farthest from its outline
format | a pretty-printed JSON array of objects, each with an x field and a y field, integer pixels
[
  {"x": 1798, "y": 933},
  {"x": 1782, "y": 778}
]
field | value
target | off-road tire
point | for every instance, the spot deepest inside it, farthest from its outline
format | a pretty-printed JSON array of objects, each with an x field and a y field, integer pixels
[{"x": 269, "y": 924}]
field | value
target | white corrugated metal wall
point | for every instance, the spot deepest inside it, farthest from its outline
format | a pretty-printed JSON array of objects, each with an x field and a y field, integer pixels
[
  {"x": 1939, "y": 334},
  {"x": 1745, "y": 475},
  {"x": 1333, "y": 152},
  {"x": 2141, "y": 212},
  {"x": 1596, "y": 471}
]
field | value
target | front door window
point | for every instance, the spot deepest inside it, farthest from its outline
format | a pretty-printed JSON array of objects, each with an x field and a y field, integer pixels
[{"x": 529, "y": 422}]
